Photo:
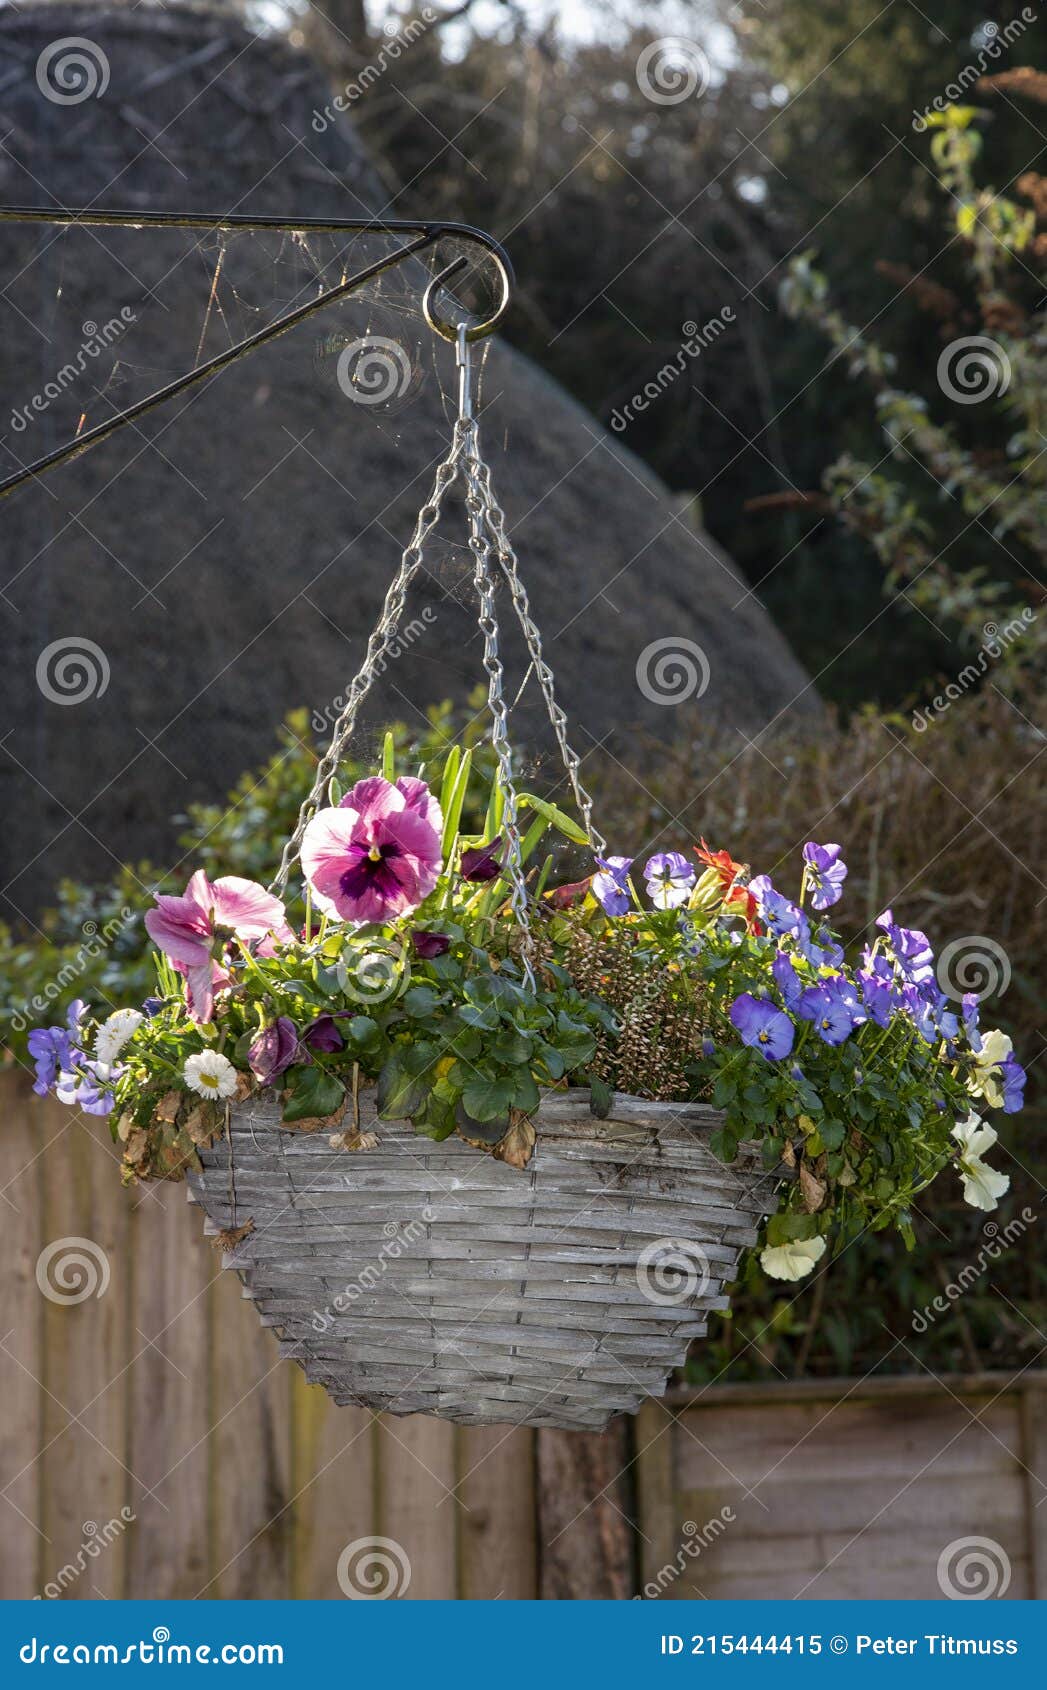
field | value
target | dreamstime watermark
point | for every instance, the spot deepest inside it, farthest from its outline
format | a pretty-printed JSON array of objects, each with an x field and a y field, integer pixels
[
  {"x": 387, "y": 54},
  {"x": 671, "y": 1271},
  {"x": 401, "y": 642},
  {"x": 671, "y": 670},
  {"x": 973, "y": 369},
  {"x": 72, "y": 70},
  {"x": 373, "y": 1569},
  {"x": 696, "y": 340},
  {"x": 974, "y": 965},
  {"x": 973, "y": 1569},
  {"x": 94, "y": 1541},
  {"x": 695, "y": 1539},
  {"x": 376, "y": 370},
  {"x": 997, "y": 1240},
  {"x": 97, "y": 339},
  {"x": 397, "y": 1239},
  {"x": 671, "y": 70},
  {"x": 70, "y": 1270},
  {"x": 95, "y": 942},
  {"x": 999, "y": 38},
  {"x": 72, "y": 670},
  {"x": 996, "y": 640},
  {"x": 157, "y": 1650}
]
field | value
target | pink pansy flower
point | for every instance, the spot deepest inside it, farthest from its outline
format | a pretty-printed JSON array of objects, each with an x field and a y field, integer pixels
[
  {"x": 378, "y": 854},
  {"x": 191, "y": 930}
]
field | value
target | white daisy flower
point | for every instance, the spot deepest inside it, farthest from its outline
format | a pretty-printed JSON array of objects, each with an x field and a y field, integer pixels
[
  {"x": 792, "y": 1260},
  {"x": 982, "y": 1186},
  {"x": 114, "y": 1033},
  {"x": 210, "y": 1073}
]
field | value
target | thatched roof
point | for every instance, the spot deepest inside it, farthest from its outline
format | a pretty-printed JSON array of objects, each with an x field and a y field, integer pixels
[{"x": 228, "y": 556}]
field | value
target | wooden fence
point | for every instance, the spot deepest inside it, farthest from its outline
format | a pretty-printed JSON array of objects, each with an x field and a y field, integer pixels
[{"x": 152, "y": 1445}]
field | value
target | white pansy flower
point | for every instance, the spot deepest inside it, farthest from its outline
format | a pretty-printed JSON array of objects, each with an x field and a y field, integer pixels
[
  {"x": 982, "y": 1186},
  {"x": 114, "y": 1033},
  {"x": 792, "y": 1260},
  {"x": 210, "y": 1073},
  {"x": 986, "y": 1081}
]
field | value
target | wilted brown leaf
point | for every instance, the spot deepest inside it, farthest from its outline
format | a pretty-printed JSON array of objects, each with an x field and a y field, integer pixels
[
  {"x": 813, "y": 1190},
  {"x": 205, "y": 1122},
  {"x": 166, "y": 1111},
  {"x": 353, "y": 1141},
  {"x": 232, "y": 1236},
  {"x": 517, "y": 1147},
  {"x": 317, "y": 1123}
]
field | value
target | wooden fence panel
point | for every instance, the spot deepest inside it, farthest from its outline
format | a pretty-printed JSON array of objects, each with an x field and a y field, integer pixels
[
  {"x": 163, "y": 1396},
  {"x": 842, "y": 1490}
]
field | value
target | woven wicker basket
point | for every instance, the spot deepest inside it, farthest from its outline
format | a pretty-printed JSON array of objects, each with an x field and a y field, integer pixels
[{"x": 422, "y": 1277}]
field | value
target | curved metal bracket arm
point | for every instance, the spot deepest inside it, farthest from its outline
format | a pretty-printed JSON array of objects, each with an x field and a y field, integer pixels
[{"x": 418, "y": 237}]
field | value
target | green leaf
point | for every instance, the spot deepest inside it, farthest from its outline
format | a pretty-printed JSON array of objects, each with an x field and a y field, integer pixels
[
  {"x": 511, "y": 1048},
  {"x": 551, "y": 1060},
  {"x": 420, "y": 1001},
  {"x": 312, "y": 1093},
  {"x": 832, "y": 1133},
  {"x": 400, "y": 1093},
  {"x": 488, "y": 1098},
  {"x": 787, "y": 1229},
  {"x": 601, "y": 1097},
  {"x": 526, "y": 1095},
  {"x": 454, "y": 803},
  {"x": 554, "y": 817},
  {"x": 362, "y": 1031},
  {"x": 488, "y": 1132},
  {"x": 389, "y": 756}
]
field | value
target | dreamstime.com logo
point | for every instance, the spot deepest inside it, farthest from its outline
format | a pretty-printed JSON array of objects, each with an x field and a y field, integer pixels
[
  {"x": 697, "y": 338},
  {"x": 402, "y": 641},
  {"x": 157, "y": 1650},
  {"x": 973, "y": 1569},
  {"x": 96, "y": 940},
  {"x": 996, "y": 641},
  {"x": 72, "y": 70},
  {"x": 72, "y": 670},
  {"x": 972, "y": 369},
  {"x": 387, "y": 54},
  {"x": 669, "y": 671},
  {"x": 974, "y": 963},
  {"x": 373, "y": 1569},
  {"x": 997, "y": 1240},
  {"x": 376, "y": 370},
  {"x": 397, "y": 1238},
  {"x": 94, "y": 1541},
  {"x": 695, "y": 1539},
  {"x": 97, "y": 339},
  {"x": 70, "y": 1270},
  {"x": 671, "y": 70},
  {"x": 671, "y": 1271}
]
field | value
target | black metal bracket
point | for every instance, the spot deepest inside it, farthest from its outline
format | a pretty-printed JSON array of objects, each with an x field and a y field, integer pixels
[{"x": 418, "y": 237}]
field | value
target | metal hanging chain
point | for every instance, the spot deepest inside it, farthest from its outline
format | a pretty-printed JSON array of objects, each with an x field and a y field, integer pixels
[
  {"x": 495, "y": 518},
  {"x": 480, "y": 546},
  {"x": 381, "y": 638}
]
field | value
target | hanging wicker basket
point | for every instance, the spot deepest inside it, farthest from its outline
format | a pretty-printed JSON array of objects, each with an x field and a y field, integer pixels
[{"x": 418, "y": 1277}]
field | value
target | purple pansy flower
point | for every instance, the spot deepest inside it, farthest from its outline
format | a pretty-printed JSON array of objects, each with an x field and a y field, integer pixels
[
  {"x": 377, "y": 856},
  {"x": 828, "y": 1013},
  {"x": 877, "y": 996},
  {"x": 429, "y": 945},
  {"x": 969, "y": 1006},
  {"x": 787, "y": 980},
  {"x": 669, "y": 879},
  {"x": 611, "y": 884},
  {"x": 1012, "y": 1079},
  {"x": 273, "y": 1050},
  {"x": 779, "y": 914},
  {"x": 51, "y": 1048},
  {"x": 825, "y": 873},
  {"x": 323, "y": 1034},
  {"x": 912, "y": 949},
  {"x": 482, "y": 862},
  {"x": 85, "y": 1084},
  {"x": 761, "y": 1026}
]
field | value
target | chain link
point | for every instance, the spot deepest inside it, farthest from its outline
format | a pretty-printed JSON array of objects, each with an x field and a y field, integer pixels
[
  {"x": 507, "y": 558},
  {"x": 381, "y": 638},
  {"x": 487, "y": 534}
]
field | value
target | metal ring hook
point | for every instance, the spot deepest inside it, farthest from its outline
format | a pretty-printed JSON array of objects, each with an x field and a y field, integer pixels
[{"x": 473, "y": 331}]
